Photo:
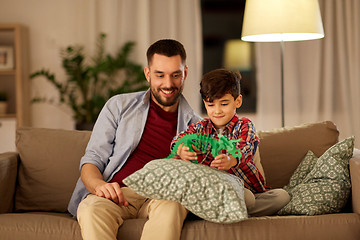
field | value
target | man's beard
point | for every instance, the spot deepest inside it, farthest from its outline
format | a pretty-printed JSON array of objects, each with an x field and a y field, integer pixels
[{"x": 168, "y": 102}]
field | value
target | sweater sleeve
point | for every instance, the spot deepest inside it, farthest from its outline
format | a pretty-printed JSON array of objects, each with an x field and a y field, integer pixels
[
  {"x": 191, "y": 129},
  {"x": 248, "y": 143}
]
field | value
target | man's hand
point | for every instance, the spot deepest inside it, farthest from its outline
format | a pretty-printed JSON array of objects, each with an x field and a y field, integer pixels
[
  {"x": 111, "y": 191},
  {"x": 184, "y": 153},
  {"x": 94, "y": 183},
  {"x": 223, "y": 162}
]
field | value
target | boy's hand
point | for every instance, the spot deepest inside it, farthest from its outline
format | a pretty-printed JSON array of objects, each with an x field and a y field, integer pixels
[
  {"x": 184, "y": 153},
  {"x": 223, "y": 162}
]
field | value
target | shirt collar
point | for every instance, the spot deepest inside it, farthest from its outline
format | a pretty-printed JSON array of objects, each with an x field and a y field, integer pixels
[
  {"x": 229, "y": 127},
  {"x": 186, "y": 114}
]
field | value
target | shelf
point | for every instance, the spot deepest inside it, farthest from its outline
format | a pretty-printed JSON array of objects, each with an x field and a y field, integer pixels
[
  {"x": 15, "y": 82},
  {"x": 10, "y": 115},
  {"x": 7, "y": 72}
]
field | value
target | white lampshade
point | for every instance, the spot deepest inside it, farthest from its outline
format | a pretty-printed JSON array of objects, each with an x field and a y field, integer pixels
[
  {"x": 281, "y": 20},
  {"x": 237, "y": 55}
]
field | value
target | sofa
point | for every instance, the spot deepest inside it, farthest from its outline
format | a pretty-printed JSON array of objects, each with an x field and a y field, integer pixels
[{"x": 37, "y": 181}]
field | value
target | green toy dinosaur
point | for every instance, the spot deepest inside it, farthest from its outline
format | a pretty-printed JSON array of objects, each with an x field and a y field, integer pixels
[{"x": 194, "y": 139}]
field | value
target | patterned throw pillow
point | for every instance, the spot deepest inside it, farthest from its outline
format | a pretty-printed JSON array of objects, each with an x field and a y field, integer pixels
[
  {"x": 321, "y": 185},
  {"x": 304, "y": 168},
  {"x": 211, "y": 194}
]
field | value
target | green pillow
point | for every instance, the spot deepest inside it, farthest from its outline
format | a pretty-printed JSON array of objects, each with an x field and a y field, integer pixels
[
  {"x": 321, "y": 185},
  {"x": 304, "y": 168},
  {"x": 211, "y": 194}
]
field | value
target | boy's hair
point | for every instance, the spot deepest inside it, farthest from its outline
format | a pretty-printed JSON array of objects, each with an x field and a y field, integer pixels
[
  {"x": 166, "y": 47},
  {"x": 216, "y": 83}
]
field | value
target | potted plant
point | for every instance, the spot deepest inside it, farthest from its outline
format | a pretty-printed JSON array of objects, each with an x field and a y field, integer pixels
[
  {"x": 91, "y": 82},
  {"x": 3, "y": 102}
]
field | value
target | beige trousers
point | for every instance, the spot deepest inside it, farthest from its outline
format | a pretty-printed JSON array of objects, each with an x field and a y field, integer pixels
[
  {"x": 266, "y": 203},
  {"x": 100, "y": 218}
]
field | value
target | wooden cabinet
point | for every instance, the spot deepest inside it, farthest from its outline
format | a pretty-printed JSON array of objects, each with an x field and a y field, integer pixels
[{"x": 14, "y": 79}]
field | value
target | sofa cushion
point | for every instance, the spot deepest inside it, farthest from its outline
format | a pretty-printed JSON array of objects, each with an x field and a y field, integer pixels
[
  {"x": 211, "y": 194},
  {"x": 8, "y": 173},
  {"x": 321, "y": 185},
  {"x": 49, "y": 167},
  {"x": 283, "y": 149},
  {"x": 257, "y": 162},
  {"x": 39, "y": 226}
]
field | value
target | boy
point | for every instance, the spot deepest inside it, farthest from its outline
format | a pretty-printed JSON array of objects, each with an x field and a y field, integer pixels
[{"x": 220, "y": 91}]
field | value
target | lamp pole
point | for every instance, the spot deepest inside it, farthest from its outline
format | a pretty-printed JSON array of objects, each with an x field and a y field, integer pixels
[
  {"x": 281, "y": 21},
  {"x": 282, "y": 83}
]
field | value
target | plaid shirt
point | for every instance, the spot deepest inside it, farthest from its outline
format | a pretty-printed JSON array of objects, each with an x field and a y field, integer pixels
[{"x": 237, "y": 128}]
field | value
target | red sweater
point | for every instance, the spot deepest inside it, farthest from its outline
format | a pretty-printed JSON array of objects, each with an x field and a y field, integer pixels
[{"x": 160, "y": 128}]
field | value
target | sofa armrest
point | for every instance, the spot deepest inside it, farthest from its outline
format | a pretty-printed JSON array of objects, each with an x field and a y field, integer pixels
[
  {"x": 8, "y": 174},
  {"x": 355, "y": 180}
]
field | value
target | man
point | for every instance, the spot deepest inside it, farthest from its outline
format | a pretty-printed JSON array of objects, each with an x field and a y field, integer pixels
[{"x": 131, "y": 130}]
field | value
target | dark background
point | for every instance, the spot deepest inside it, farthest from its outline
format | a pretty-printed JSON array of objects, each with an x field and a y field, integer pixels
[{"x": 221, "y": 21}]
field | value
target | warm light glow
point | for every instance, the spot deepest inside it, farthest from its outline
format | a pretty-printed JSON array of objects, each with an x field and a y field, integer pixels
[
  {"x": 237, "y": 55},
  {"x": 282, "y": 20}
]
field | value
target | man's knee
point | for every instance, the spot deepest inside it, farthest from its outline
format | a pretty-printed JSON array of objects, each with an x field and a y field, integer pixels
[
  {"x": 99, "y": 218},
  {"x": 93, "y": 206},
  {"x": 88, "y": 206},
  {"x": 168, "y": 208}
]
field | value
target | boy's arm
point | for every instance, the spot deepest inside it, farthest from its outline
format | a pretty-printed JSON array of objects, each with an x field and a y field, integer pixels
[
  {"x": 224, "y": 162},
  {"x": 190, "y": 129},
  {"x": 183, "y": 152},
  {"x": 248, "y": 143}
]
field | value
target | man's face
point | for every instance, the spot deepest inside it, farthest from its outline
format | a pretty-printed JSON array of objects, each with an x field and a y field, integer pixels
[{"x": 166, "y": 76}]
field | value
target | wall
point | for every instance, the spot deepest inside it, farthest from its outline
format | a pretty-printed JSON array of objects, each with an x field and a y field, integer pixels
[
  {"x": 59, "y": 23},
  {"x": 50, "y": 26}
]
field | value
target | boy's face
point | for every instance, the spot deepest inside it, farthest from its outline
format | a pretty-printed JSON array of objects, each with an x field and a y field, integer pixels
[{"x": 222, "y": 110}]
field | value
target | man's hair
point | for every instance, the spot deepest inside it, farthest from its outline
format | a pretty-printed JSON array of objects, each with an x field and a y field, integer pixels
[
  {"x": 166, "y": 47},
  {"x": 216, "y": 83}
]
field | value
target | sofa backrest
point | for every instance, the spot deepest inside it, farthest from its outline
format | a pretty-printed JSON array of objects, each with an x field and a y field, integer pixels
[
  {"x": 50, "y": 158},
  {"x": 281, "y": 150},
  {"x": 49, "y": 167}
]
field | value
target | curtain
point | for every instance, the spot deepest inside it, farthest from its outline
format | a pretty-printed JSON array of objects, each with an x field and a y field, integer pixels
[
  {"x": 53, "y": 25},
  {"x": 321, "y": 77},
  {"x": 146, "y": 21}
]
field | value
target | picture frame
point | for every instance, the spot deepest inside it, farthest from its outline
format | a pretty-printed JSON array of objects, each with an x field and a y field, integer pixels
[{"x": 6, "y": 58}]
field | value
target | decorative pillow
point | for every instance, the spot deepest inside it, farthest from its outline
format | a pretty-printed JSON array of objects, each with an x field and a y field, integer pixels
[
  {"x": 321, "y": 185},
  {"x": 211, "y": 194},
  {"x": 286, "y": 147},
  {"x": 304, "y": 168}
]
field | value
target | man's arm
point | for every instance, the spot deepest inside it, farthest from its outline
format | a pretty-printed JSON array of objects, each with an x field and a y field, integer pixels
[{"x": 95, "y": 184}]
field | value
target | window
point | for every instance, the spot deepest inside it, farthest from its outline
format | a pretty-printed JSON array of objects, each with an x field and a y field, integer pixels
[{"x": 221, "y": 22}]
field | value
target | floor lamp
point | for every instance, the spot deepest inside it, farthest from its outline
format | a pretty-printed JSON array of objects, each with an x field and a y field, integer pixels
[{"x": 282, "y": 21}]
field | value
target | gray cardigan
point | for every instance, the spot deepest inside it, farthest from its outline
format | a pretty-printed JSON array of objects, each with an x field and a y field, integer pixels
[{"x": 117, "y": 133}]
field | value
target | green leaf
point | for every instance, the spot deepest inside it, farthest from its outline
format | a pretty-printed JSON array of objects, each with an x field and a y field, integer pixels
[{"x": 91, "y": 81}]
